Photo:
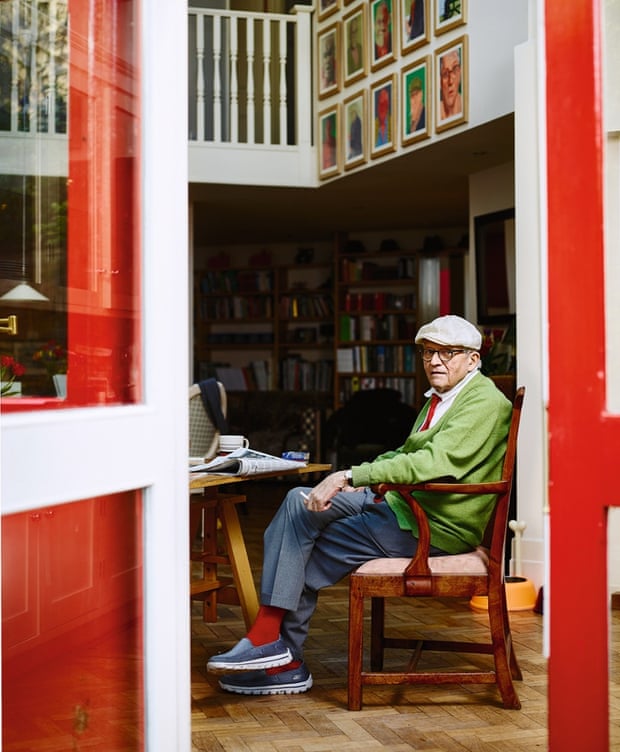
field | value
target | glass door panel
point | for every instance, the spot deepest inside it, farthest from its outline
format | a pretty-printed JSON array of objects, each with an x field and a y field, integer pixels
[{"x": 69, "y": 203}]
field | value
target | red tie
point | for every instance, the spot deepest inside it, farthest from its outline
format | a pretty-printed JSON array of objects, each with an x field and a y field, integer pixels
[{"x": 435, "y": 400}]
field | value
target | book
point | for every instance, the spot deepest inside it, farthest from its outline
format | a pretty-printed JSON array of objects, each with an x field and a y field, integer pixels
[{"x": 246, "y": 461}]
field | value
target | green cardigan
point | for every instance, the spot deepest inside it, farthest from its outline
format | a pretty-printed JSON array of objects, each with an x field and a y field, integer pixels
[{"x": 467, "y": 444}]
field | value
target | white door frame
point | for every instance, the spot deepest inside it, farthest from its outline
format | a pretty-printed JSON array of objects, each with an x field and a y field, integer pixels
[{"x": 55, "y": 456}]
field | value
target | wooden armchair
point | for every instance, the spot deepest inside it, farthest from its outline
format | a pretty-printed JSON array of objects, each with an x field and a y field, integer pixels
[{"x": 461, "y": 576}]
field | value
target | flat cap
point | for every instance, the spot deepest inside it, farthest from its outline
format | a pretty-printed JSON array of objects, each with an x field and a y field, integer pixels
[{"x": 450, "y": 330}]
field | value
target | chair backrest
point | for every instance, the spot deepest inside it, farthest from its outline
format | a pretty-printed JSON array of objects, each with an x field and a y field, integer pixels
[
  {"x": 203, "y": 433},
  {"x": 497, "y": 527}
]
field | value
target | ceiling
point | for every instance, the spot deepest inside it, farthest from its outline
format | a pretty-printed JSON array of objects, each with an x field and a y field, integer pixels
[{"x": 425, "y": 188}]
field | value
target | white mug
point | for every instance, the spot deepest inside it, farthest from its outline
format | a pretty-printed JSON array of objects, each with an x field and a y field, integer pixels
[{"x": 229, "y": 443}]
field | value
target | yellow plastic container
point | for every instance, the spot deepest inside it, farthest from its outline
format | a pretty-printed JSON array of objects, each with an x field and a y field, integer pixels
[{"x": 520, "y": 596}]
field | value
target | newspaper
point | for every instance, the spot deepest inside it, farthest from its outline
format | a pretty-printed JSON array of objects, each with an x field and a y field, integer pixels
[{"x": 246, "y": 462}]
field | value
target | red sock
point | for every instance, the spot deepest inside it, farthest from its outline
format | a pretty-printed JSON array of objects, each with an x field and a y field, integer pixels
[
  {"x": 266, "y": 628},
  {"x": 278, "y": 669}
]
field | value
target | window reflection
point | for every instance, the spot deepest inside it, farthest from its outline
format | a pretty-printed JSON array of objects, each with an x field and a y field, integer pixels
[{"x": 69, "y": 200}]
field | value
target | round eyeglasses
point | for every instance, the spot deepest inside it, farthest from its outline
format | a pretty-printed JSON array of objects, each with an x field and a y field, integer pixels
[{"x": 445, "y": 356}]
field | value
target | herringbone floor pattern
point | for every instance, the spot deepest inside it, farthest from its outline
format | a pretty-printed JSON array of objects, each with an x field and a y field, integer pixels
[{"x": 433, "y": 719}]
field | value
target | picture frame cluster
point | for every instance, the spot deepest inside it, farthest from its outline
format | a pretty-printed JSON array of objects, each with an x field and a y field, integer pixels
[{"x": 430, "y": 94}]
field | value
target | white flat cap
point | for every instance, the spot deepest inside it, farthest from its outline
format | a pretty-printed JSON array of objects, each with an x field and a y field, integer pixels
[{"x": 450, "y": 330}]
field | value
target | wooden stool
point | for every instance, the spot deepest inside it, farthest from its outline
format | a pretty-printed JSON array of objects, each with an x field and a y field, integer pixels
[{"x": 206, "y": 511}]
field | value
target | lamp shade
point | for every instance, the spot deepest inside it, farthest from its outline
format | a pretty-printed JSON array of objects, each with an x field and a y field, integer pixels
[{"x": 23, "y": 292}]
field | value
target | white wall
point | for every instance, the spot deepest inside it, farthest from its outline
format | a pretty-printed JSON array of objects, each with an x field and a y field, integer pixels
[
  {"x": 495, "y": 28},
  {"x": 491, "y": 191}
]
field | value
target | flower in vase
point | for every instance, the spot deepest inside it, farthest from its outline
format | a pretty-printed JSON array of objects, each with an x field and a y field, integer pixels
[
  {"x": 10, "y": 369},
  {"x": 53, "y": 357}
]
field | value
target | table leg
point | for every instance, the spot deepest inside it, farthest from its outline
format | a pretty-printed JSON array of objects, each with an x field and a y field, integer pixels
[{"x": 239, "y": 561}]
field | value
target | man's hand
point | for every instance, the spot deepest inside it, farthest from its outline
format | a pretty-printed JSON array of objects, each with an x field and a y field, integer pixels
[{"x": 319, "y": 499}]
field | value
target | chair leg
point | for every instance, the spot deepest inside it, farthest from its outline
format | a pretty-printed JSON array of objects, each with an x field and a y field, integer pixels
[
  {"x": 503, "y": 653},
  {"x": 377, "y": 624},
  {"x": 515, "y": 669},
  {"x": 356, "y": 644}
]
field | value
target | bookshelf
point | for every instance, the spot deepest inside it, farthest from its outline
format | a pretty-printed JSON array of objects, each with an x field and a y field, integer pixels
[
  {"x": 376, "y": 321},
  {"x": 265, "y": 328},
  {"x": 330, "y": 327}
]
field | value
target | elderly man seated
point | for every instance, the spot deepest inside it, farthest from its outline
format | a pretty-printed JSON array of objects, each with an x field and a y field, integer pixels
[{"x": 321, "y": 534}]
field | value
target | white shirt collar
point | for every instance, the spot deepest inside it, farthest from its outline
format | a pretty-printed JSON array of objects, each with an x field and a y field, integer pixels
[{"x": 447, "y": 398}]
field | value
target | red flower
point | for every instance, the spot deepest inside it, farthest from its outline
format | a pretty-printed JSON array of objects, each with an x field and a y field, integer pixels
[{"x": 9, "y": 369}]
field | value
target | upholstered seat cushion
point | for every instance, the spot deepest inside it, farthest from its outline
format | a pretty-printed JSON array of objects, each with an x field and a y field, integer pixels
[{"x": 475, "y": 562}]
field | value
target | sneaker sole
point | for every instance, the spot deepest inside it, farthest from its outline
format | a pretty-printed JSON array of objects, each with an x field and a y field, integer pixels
[
  {"x": 273, "y": 661},
  {"x": 281, "y": 689}
]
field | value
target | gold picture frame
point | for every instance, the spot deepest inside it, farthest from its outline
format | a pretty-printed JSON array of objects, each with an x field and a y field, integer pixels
[
  {"x": 451, "y": 84},
  {"x": 355, "y": 130},
  {"x": 328, "y": 61},
  {"x": 329, "y": 142},
  {"x": 415, "y": 24},
  {"x": 448, "y": 15},
  {"x": 355, "y": 45},
  {"x": 383, "y": 32},
  {"x": 417, "y": 101},
  {"x": 384, "y": 116},
  {"x": 326, "y": 8}
]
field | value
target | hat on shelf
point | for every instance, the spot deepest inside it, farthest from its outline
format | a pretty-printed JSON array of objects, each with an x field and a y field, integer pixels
[
  {"x": 389, "y": 244},
  {"x": 450, "y": 330}
]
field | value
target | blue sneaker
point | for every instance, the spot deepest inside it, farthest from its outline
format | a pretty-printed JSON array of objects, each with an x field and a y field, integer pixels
[
  {"x": 292, "y": 682},
  {"x": 247, "y": 657}
]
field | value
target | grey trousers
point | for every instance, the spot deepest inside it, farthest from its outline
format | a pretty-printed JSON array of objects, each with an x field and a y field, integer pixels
[{"x": 305, "y": 551}]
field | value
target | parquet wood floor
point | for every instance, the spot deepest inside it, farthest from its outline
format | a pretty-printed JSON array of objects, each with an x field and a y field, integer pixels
[{"x": 433, "y": 719}]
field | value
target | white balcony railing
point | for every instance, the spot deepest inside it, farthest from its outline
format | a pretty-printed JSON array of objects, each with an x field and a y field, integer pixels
[{"x": 250, "y": 92}]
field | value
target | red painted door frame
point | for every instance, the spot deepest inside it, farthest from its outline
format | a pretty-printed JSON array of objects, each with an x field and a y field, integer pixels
[{"x": 580, "y": 467}]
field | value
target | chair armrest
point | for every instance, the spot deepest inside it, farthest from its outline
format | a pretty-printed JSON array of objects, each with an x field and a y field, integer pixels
[
  {"x": 418, "y": 567},
  {"x": 491, "y": 487}
]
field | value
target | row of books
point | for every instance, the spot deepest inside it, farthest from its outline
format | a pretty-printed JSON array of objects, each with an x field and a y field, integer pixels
[
  {"x": 240, "y": 338},
  {"x": 367, "y": 328},
  {"x": 306, "y": 306},
  {"x": 355, "y": 270},
  {"x": 352, "y": 384},
  {"x": 297, "y": 374},
  {"x": 378, "y": 302},
  {"x": 236, "y": 308},
  {"x": 236, "y": 280},
  {"x": 376, "y": 359},
  {"x": 256, "y": 376}
]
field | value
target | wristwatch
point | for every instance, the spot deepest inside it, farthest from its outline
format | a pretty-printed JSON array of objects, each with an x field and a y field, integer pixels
[{"x": 348, "y": 476}]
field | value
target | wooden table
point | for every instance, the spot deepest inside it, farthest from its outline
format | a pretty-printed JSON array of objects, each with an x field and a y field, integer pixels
[{"x": 214, "y": 521}]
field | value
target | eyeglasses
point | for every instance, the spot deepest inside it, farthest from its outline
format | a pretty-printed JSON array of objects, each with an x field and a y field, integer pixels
[
  {"x": 445, "y": 356},
  {"x": 447, "y": 72}
]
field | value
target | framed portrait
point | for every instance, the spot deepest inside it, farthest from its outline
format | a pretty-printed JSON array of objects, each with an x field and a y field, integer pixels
[
  {"x": 415, "y": 24},
  {"x": 451, "y": 85},
  {"x": 355, "y": 48},
  {"x": 416, "y": 107},
  {"x": 328, "y": 61},
  {"x": 448, "y": 14},
  {"x": 382, "y": 32},
  {"x": 495, "y": 266},
  {"x": 354, "y": 130},
  {"x": 327, "y": 7},
  {"x": 384, "y": 116},
  {"x": 329, "y": 138}
]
